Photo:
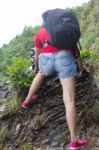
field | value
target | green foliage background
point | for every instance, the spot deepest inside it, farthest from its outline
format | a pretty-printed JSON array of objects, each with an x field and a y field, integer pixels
[
  {"x": 18, "y": 47},
  {"x": 88, "y": 15},
  {"x": 20, "y": 75}
]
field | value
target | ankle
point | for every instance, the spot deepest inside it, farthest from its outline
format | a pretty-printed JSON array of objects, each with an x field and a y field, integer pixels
[
  {"x": 26, "y": 100},
  {"x": 74, "y": 139}
]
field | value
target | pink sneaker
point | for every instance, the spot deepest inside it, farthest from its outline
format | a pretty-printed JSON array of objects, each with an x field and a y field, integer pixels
[
  {"x": 78, "y": 144},
  {"x": 35, "y": 97},
  {"x": 26, "y": 104}
]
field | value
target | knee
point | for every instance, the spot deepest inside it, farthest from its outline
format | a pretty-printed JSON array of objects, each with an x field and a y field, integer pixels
[
  {"x": 69, "y": 99},
  {"x": 42, "y": 74}
]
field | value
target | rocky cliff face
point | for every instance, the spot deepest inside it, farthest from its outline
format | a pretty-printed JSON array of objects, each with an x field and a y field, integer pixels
[{"x": 44, "y": 124}]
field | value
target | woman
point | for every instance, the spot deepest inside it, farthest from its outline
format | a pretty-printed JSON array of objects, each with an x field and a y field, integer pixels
[{"x": 62, "y": 61}]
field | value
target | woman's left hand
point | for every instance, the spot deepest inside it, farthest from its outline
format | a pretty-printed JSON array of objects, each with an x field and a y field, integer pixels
[{"x": 84, "y": 68}]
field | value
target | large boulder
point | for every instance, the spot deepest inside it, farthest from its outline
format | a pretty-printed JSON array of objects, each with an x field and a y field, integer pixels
[{"x": 45, "y": 123}]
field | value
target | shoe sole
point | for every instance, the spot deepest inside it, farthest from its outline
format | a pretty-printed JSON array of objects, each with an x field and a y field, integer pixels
[
  {"x": 77, "y": 148},
  {"x": 24, "y": 107}
]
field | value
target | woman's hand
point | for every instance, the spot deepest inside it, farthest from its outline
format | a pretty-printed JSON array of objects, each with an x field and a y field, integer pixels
[
  {"x": 37, "y": 52},
  {"x": 84, "y": 68},
  {"x": 36, "y": 69}
]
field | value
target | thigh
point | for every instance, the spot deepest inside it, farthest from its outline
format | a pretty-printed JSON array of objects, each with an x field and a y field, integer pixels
[
  {"x": 68, "y": 85},
  {"x": 46, "y": 64}
]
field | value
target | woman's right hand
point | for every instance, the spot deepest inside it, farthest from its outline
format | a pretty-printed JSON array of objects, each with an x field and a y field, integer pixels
[{"x": 36, "y": 69}]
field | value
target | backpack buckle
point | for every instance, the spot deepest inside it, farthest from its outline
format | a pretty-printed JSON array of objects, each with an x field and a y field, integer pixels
[{"x": 46, "y": 43}]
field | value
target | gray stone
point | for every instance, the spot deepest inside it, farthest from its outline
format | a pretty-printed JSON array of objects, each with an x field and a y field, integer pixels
[
  {"x": 3, "y": 108},
  {"x": 52, "y": 106},
  {"x": 97, "y": 143},
  {"x": 18, "y": 127}
]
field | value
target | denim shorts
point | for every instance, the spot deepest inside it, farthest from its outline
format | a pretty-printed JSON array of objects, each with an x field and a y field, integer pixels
[{"x": 63, "y": 62}]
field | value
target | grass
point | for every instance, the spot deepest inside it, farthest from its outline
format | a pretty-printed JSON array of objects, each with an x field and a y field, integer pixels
[
  {"x": 65, "y": 140},
  {"x": 4, "y": 134},
  {"x": 3, "y": 101},
  {"x": 12, "y": 107},
  {"x": 39, "y": 121},
  {"x": 96, "y": 112},
  {"x": 25, "y": 146}
]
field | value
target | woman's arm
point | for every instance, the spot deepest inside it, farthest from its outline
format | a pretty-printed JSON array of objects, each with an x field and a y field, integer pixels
[
  {"x": 37, "y": 52},
  {"x": 81, "y": 64}
]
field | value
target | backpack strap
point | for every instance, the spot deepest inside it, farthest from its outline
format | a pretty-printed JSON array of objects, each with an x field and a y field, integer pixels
[
  {"x": 80, "y": 47},
  {"x": 77, "y": 50}
]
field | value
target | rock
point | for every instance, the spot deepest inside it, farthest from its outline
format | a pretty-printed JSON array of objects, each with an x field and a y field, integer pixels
[
  {"x": 97, "y": 143},
  {"x": 49, "y": 148},
  {"x": 3, "y": 108},
  {"x": 10, "y": 147},
  {"x": 6, "y": 91},
  {"x": 48, "y": 121},
  {"x": 18, "y": 128}
]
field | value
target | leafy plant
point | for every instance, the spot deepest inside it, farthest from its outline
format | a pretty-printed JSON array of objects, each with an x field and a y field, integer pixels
[
  {"x": 20, "y": 45},
  {"x": 90, "y": 57},
  {"x": 19, "y": 75}
]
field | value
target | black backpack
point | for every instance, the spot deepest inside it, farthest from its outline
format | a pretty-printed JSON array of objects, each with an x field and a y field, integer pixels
[{"x": 63, "y": 27}]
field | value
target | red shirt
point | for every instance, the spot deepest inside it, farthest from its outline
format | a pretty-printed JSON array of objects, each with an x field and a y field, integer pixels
[{"x": 42, "y": 36}]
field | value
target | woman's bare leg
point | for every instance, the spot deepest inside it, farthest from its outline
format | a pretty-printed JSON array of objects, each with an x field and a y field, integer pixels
[
  {"x": 68, "y": 85},
  {"x": 36, "y": 83}
]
